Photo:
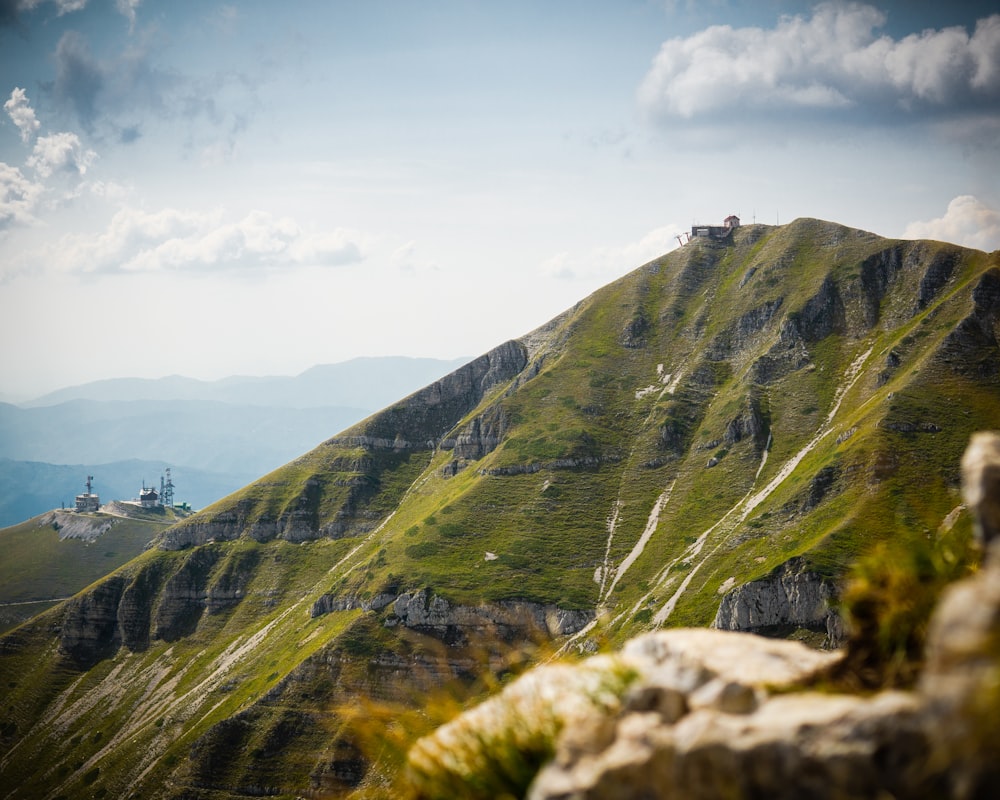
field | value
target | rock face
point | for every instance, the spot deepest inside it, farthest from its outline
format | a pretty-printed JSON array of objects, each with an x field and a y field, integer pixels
[
  {"x": 506, "y": 620},
  {"x": 136, "y": 607},
  {"x": 418, "y": 423},
  {"x": 751, "y": 423},
  {"x": 428, "y": 415},
  {"x": 133, "y": 610},
  {"x": 789, "y": 596},
  {"x": 423, "y": 611},
  {"x": 185, "y": 596},
  {"x": 972, "y": 347},
  {"x": 481, "y": 436},
  {"x": 90, "y": 626}
]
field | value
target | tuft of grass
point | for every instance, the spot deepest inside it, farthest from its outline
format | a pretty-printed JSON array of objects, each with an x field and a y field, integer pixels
[
  {"x": 496, "y": 749},
  {"x": 382, "y": 727},
  {"x": 887, "y": 602}
]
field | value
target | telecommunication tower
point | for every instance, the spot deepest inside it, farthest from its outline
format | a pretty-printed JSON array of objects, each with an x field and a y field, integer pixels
[{"x": 167, "y": 490}]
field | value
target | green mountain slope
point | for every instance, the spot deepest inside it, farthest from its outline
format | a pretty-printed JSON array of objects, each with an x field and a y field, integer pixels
[
  {"x": 52, "y": 556},
  {"x": 775, "y": 403}
]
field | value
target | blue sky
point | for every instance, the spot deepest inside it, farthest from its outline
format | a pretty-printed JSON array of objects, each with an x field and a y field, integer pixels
[{"x": 210, "y": 189}]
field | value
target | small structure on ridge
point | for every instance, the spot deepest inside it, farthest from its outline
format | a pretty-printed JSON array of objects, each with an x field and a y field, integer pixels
[
  {"x": 88, "y": 501},
  {"x": 148, "y": 497},
  {"x": 729, "y": 224}
]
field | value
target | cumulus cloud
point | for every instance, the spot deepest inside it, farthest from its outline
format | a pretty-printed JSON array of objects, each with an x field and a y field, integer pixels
[
  {"x": 175, "y": 239},
  {"x": 828, "y": 62},
  {"x": 18, "y": 197},
  {"x": 120, "y": 95},
  {"x": 60, "y": 152},
  {"x": 968, "y": 222},
  {"x": 22, "y": 114}
]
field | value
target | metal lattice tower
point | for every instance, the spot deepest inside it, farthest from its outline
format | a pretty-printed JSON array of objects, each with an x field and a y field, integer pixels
[{"x": 167, "y": 491}]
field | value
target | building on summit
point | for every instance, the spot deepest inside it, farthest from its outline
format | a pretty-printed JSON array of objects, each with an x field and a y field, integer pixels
[
  {"x": 729, "y": 224},
  {"x": 88, "y": 501},
  {"x": 148, "y": 497}
]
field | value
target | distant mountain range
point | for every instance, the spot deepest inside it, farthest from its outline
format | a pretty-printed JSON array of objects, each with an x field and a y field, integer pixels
[
  {"x": 360, "y": 383},
  {"x": 216, "y": 435}
]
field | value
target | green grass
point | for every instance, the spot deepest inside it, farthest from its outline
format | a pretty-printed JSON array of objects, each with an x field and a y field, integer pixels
[{"x": 38, "y": 567}]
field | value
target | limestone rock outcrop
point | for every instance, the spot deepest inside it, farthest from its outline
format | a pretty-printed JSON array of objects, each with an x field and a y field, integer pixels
[
  {"x": 980, "y": 477},
  {"x": 89, "y": 630},
  {"x": 505, "y": 620},
  {"x": 791, "y": 595}
]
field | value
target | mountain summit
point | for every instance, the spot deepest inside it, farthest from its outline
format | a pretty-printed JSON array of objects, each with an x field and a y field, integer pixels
[{"x": 710, "y": 440}]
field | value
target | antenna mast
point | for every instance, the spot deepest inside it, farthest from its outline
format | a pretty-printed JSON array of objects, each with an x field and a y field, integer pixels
[{"x": 167, "y": 491}]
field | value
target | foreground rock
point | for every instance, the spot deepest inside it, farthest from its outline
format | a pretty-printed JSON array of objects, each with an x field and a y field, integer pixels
[{"x": 708, "y": 714}]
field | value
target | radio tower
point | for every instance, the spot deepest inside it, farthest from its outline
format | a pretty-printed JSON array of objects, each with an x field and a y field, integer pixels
[{"x": 167, "y": 491}]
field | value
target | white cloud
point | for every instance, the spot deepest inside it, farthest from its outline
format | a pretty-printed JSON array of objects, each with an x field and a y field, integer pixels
[
  {"x": 22, "y": 114},
  {"x": 174, "y": 239},
  {"x": 67, "y": 6},
  {"x": 60, "y": 152},
  {"x": 18, "y": 197},
  {"x": 968, "y": 222},
  {"x": 127, "y": 9},
  {"x": 62, "y": 6},
  {"x": 830, "y": 61},
  {"x": 607, "y": 263}
]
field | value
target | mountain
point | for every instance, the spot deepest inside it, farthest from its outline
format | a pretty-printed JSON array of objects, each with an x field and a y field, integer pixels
[
  {"x": 203, "y": 435},
  {"x": 368, "y": 382},
  {"x": 219, "y": 434},
  {"x": 714, "y": 438}
]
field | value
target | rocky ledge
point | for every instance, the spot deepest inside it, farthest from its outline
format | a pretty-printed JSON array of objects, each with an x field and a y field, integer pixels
[
  {"x": 791, "y": 596},
  {"x": 426, "y": 612}
]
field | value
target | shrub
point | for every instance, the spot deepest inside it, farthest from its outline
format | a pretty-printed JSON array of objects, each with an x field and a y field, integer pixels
[{"x": 887, "y": 604}]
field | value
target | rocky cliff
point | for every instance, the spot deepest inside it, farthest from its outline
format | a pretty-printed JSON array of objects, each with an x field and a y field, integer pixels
[
  {"x": 313, "y": 507},
  {"x": 788, "y": 598}
]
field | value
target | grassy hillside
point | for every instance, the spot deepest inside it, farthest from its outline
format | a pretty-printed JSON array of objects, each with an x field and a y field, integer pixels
[
  {"x": 796, "y": 392},
  {"x": 41, "y": 566}
]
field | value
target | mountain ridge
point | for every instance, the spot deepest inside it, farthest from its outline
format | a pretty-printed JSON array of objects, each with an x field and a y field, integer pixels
[
  {"x": 795, "y": 392},
  {"x": 344, "y": 383}
]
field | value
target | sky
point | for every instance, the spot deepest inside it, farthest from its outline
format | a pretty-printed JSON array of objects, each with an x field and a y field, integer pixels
[{"x": 209, "y": 189}]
